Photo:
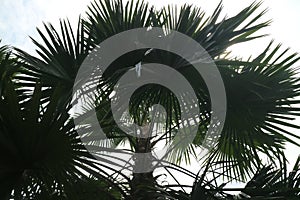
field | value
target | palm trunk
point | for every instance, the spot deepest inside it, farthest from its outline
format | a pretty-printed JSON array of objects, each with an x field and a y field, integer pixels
[{"x": 141, "y": 182}]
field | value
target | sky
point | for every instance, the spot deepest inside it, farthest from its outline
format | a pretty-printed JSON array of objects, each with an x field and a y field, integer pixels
[{"x": 19, "y": 19}]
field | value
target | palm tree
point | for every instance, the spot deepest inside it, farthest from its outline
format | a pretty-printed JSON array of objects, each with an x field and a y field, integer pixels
[{"x": 43, "y": 155}]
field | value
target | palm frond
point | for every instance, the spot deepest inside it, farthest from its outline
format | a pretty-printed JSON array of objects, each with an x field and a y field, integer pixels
[
  {"x": 40, "y": 148},
  {"x": 270, "y": 183},
  {"x": 261, "y": 107},
  {"x": 107, "y": 18},
  {"x": 214, "y": 34}
]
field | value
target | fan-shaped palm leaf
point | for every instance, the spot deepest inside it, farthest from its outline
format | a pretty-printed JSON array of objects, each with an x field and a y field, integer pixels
[{"x": 41, "y": 152}]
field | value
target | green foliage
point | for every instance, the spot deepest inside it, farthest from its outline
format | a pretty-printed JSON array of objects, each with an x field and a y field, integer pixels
[
  {"x": 41, "y": 152},
  {"x": 42, "y": 156}
]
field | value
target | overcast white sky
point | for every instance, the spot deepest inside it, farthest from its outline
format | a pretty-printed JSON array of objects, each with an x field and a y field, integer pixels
[{"x": 19, "y": 19}]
